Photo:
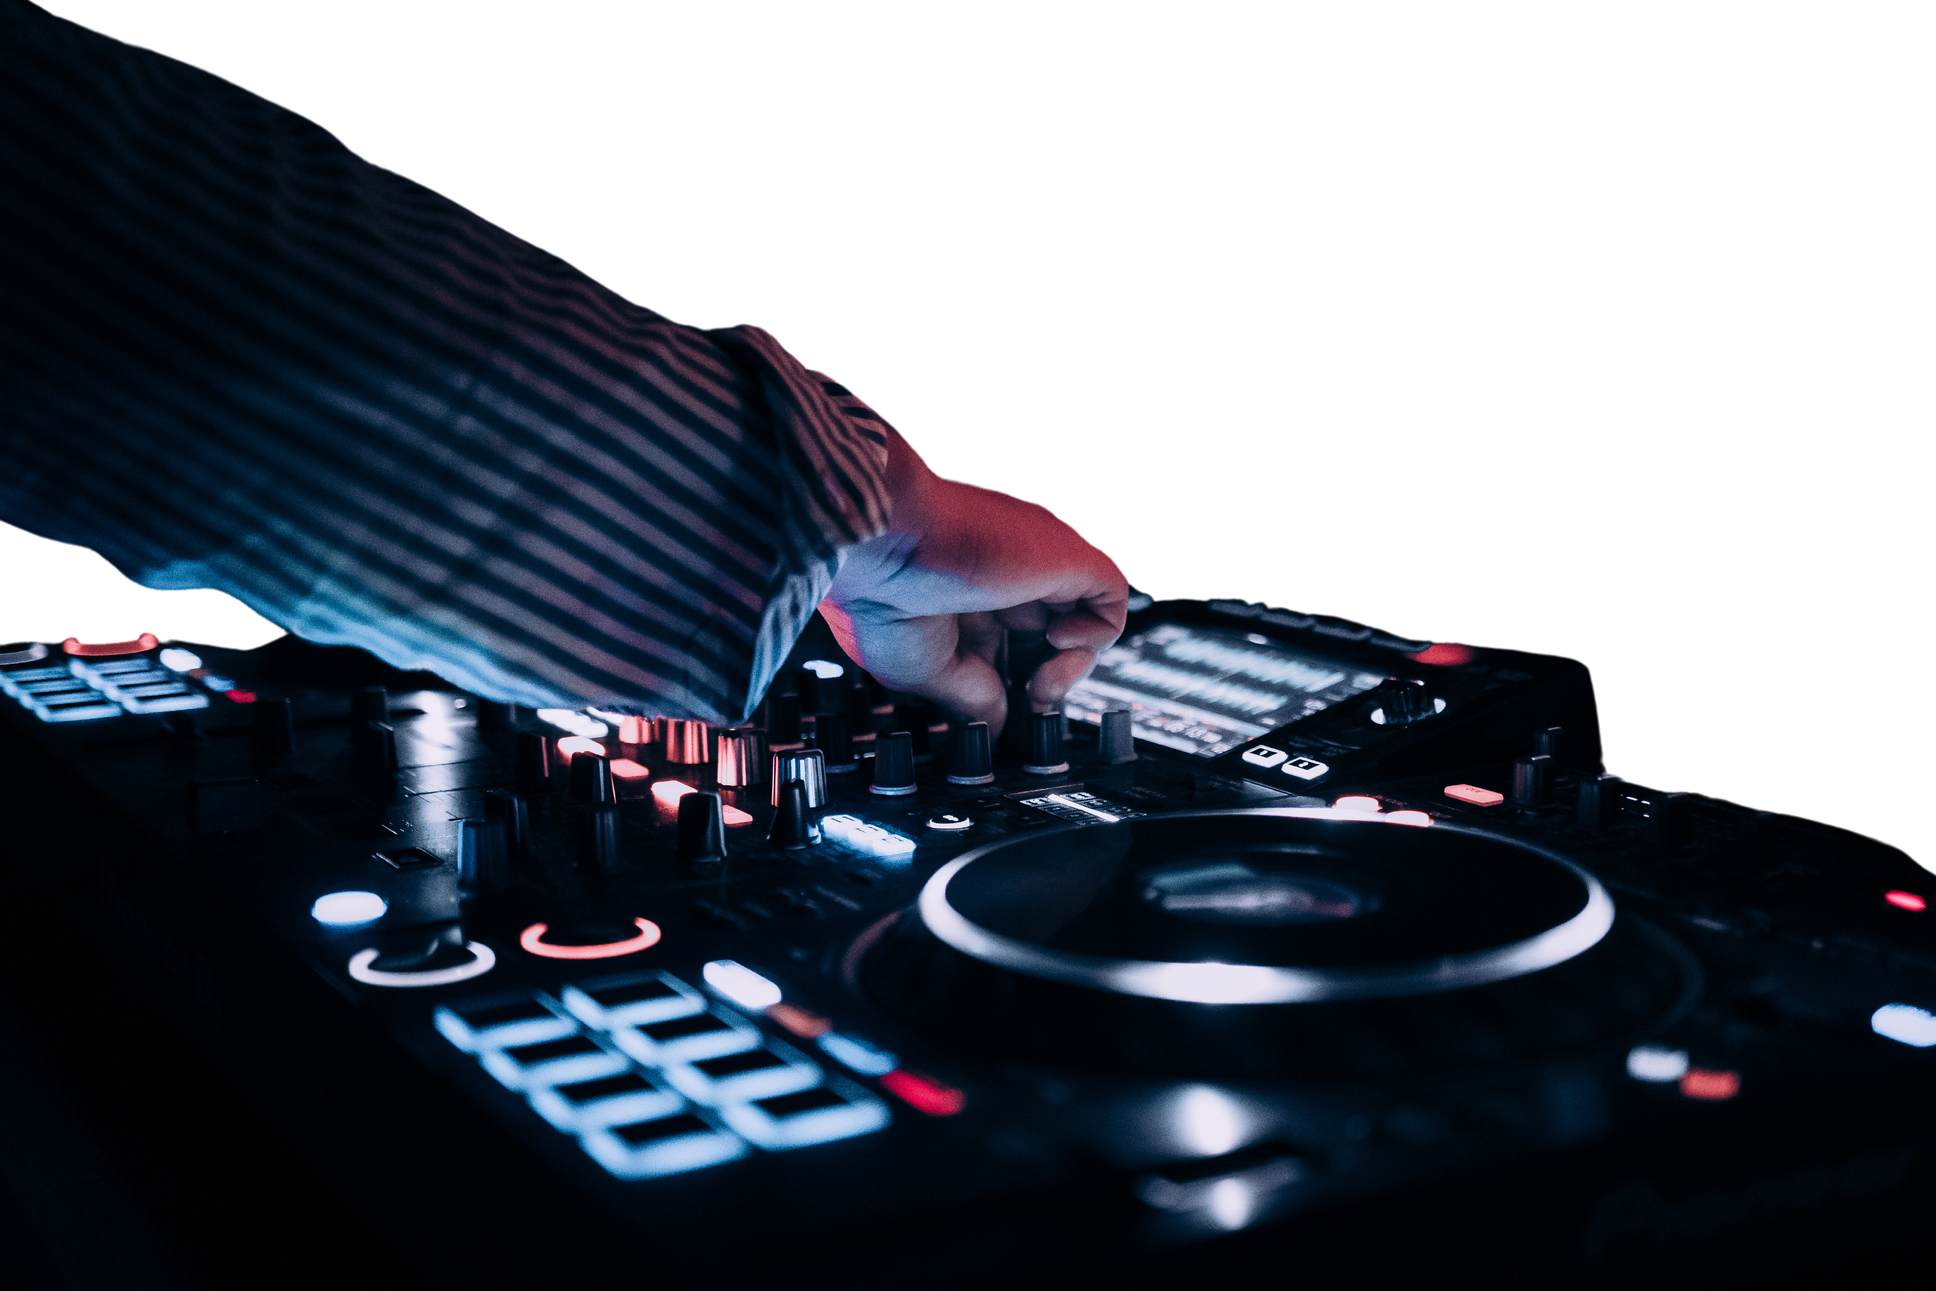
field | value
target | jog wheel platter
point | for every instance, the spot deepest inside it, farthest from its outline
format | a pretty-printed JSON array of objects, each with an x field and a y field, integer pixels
[{"x": 1289, "y": 942}]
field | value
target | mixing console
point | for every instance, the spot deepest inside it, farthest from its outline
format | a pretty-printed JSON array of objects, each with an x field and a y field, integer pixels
[{"x": 1287, "y": 940}]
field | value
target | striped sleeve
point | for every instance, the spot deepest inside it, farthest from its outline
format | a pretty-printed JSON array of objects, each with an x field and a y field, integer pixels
[{"x": 237, "y": 356}]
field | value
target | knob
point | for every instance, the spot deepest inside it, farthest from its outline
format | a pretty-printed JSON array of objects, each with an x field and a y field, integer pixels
[
  {"x": 831, "y": 736},
  {"x": 974, "y": 761},
  {"x": 783, "y": 721},
  {"x": 1117, "y": 743},
  {"x": 376, "y": 749},
  {"x": 793, "y": 827},
  {"x": 496, "y": 721},
  {"x": 531, "y": 763},
  {"x": 1599, "y": 801},
  {"x": 598, "y": 839},
  {"x": 1045, "y": 756},
  {"x": 1667, "y": 820},
  {"x": 702, "y": 828},
  {"x": 915, "y": 717},
  {"x": 804, "y": 765},
  {"x": 894, "y": 765},
  {"x": 1548, "y": 742},
  {"x": 591, "y": 780},
  {"x": 1403, "y": 701},
  {"x": 483, "y": 856},
  {"x": 1532, "y": 783},
  {"x": 273, "y": 734},
  {"x": 511, "y": 809},
  {"x": 685, "y": 742},
  {"x": 370, "y": 704},
  {"x": 860, "y": 703},
  {"x": 741, "y": 757},
  {"x": 635, "y": 730},
  {"x": 1015, "y": 735},
  {"x": 820, "y": 688}
]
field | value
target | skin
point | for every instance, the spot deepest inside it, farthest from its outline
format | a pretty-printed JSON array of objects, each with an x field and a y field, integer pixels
[{"x": 925, "y": 606}]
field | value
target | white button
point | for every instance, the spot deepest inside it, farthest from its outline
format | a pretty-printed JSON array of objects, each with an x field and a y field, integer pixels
[
  {"x": 1264, "y": 756},
  {"x": 1306, "y": 768}
]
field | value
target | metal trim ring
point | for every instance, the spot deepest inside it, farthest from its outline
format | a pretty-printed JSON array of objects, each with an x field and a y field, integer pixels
[{"x": 1221, "y": 983}]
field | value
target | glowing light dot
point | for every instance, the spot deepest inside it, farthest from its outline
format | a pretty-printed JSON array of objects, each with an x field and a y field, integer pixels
[
  {"x": 241, "y": 696},
  {"x": 858, "y": 1055},
  {"x": 1710, "y": 1086},
  {"x": 343, "y": 909},
  {"x": 1905, "y": 900},
  {"x": 1357, "y": 803},
  {"x": 627, "y": 769},
  {"x": 176, "y": 659},
  {"x": 824, "y": 669},
  {"x": 1656, "y": 1064},
  {"x": 670, "y": 792},
  {"x": 1207, "y": 1123},
  {"x": 1905, "y": 1024},
  {"x": 1408, "y": 818},
  {"x": 741, "y": 984},
  {"x": 1229, "y": 1204}
]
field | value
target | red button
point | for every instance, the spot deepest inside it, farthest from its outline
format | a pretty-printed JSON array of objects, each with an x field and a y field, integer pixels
[
  {"x": 1905, "y": 900},
  {"x": 1710, "y": 1086},
  {"x": 1473, "y": 794},
  {"x": 923, "y": 1094}
]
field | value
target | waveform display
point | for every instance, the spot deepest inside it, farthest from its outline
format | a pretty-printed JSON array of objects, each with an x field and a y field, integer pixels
[
  {"x": 1252, "y": 663},
  {"x": 1195, "y": 685}
]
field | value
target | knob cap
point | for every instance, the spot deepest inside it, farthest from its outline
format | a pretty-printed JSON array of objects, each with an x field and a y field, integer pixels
[
  {"x": 370, "y": 704},
  {"x": 591, "y": 780},
  {"x": 273, "y": 730},
  {"x": 1548, "y": 742},
  {"x": 1599, "y": 802},
  {"x": 598, "y": 840},
  {"x": 702, "y": 828},
  {"x": 1404, "y": 701},
  {"x": 1117, "y": 743},
  {"x": 483, "y": 856},
  {"x": 916, "y": 717},
  {"x": 783, "y": 721},
  {"x": 741, "y": 757},
  {"x": 831, "y": 735},
  {"x": 860, "y": 700},
  {"x": 793, "y": 827},
  {"x": 805, "y": 765},
  {"x": 376, "y": 749},
  {"x": 1045, "y": 756},
  {"x": 894, "y": 765},
  {"x": 531, "y": 763},
  {"x": 974, "y": 760},
  {"x": 512, "y": 810},
  {"x": 1532, "y": 785},
  {"x": 635, "y": 730},
  {"x": 685, "y": 742}
]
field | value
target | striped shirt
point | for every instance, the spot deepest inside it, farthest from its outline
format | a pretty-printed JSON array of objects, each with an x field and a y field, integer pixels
[{"x": 235, "y": 355}]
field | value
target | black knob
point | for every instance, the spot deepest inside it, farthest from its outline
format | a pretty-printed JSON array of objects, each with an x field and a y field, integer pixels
[
  {"x": 782, "y": 721},
  {"x": 1599, "y": 802},
  {"x": 376, "y": 749},
  {"x": 591, "y": 779},
  {"x": 598, "y": 840},
  {"x": 531, "y": 763},
  {"x": 915, "y": 716},
  {"x": 1403, "y": 701},
  {"x": 1668, "y": 820},
  {"x": 1117, "y": 742},
  {"x": 793, "y": 829},
  {"x": 1015, "y": 734},
  {"x": 502, "y": 805},
  {"x": 273, "y": 733},
  {"x": 686, "y": 743},
  {"x": 1548, "y": 742},
  {"x": 496, "y": 721},
  {"x": 835, "y": 742},
  {"x": 974, "y": 760},
  {"x": 1532, "y": 783},
  {"x": 702, "y": 828},
  {"x": 894, "y": 765},
  {"x": 818, "y": 694},
  {"x": 860, "y": 703},
  {"x": 1045, "y": 756},
  {"x": 370, "y": 704},
  {"x": 483, "y": 856}
]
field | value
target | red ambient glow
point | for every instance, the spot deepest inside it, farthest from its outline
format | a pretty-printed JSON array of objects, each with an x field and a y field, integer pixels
[
  {"x": 1710, "y": 1086},
  {"x": 571, "y": 744},
  {"x": 1445, "y": 653},
  {"x": 808, "y": 1026},
  {"x": 670, "y": 792},
  {"x": 241, "y": 696},
  {"x": 922, "y": 1094},
  {"x": 1905, "y": 900},
  {"x": 146, "y": 641},
  {"x": 532, "y": 939},
  {"x": 627, "y": 769}
]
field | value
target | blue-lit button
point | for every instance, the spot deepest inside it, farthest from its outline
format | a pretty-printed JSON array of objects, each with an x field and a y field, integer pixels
[
  {"x": 343, "y": 909},
  {"x": 858, "y": 1055},
  {"x": 1906, "y": 1024},
  {"x": 799, "y": 1120}
]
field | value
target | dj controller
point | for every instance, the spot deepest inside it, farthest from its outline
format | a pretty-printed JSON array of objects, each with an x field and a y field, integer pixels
[{"x": 1287, "y": 945}]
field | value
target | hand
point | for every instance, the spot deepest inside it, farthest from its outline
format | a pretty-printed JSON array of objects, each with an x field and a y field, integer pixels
[{"x": 925, "y": 606}]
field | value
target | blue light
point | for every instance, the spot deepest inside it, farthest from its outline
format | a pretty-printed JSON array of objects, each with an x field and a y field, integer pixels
[
  {"x": 858, "y": 1055},
  {"x": 825, "y": 669},
  {"x": 345, "y": 909},
  {"x": 741, "y": 985},
  {"x": 1905, "y": 1024}
]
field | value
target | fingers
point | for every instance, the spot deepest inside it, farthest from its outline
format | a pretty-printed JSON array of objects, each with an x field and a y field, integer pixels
[
  {"x": 1056, "y": 674},
  {"x": 946, "y": 658}
]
